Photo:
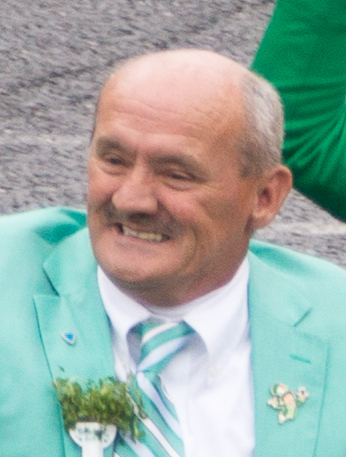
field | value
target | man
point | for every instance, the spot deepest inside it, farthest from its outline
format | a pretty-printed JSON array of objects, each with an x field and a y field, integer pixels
[
  {"x": 303, "y": 54},
  {"x": 184, "y": 166}
]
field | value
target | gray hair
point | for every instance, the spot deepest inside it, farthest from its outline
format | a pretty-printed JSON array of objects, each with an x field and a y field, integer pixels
[{"x": 261, "y": 141}]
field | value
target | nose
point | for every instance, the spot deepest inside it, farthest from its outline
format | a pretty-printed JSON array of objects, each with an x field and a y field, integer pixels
[{"x": 136, "y": 194}]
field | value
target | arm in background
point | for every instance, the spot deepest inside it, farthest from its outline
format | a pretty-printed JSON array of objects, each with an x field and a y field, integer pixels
[{"x": 303, "y": 53}]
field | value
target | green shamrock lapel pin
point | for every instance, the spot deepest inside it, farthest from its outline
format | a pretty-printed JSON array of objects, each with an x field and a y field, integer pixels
[{"x": 285, "y": 401}]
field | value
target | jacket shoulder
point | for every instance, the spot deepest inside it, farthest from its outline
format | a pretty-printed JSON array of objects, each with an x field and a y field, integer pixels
[
  {"x": 301, "y": 269},
  {"x": 26, "y": 239},
  {"x": 51, "y": 224},
  {"x": 289, "y": 260},
  {"x": 291, "y": 285}
]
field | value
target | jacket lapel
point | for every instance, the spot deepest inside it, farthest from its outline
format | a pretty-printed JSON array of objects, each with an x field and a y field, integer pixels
[
  {"x": 283, "y": 352},
  {"x": 74, "y": 308}
]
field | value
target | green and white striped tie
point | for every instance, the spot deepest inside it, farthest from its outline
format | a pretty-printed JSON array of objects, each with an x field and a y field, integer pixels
[{"x": 160, "y": 342}]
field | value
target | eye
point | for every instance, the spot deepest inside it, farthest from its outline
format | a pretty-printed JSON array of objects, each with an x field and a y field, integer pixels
[
  {"x": 179, "y": 180},
  {"x": 114, "y": 160},
  {"x": 179, "y": 176}
]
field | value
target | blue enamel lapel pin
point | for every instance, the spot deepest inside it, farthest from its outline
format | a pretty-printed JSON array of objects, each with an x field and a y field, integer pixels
[{"x": 69, "y": 337}]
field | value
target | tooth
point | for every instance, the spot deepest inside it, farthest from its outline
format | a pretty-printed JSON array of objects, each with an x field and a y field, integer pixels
[{"x": 142, "y": 235}]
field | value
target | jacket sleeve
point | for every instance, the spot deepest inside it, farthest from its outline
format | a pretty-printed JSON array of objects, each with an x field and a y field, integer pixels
[{"x": 303, "y": 53}]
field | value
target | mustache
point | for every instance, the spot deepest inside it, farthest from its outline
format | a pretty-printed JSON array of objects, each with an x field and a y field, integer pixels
[{"x": 163, "y": 223}]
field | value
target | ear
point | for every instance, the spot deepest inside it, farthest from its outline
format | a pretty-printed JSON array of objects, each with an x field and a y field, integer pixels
[{"x": 272, "y": 191}]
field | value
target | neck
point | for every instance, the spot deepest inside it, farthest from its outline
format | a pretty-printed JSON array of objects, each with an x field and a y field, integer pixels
[{"x": 166, "y": 294}]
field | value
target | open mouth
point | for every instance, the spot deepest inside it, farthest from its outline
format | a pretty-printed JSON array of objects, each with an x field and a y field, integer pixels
[{"x": 146, "y": 236}]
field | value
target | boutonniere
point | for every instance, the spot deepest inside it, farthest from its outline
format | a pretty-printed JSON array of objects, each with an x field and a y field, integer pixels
[
  {"x": 286, "y": 401},
  {"x": 94, "y": 411}
]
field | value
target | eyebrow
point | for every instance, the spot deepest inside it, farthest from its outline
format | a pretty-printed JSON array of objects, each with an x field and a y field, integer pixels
[
  {"x": 184, "y": 161},
  {"x": 105, "y": 144}
]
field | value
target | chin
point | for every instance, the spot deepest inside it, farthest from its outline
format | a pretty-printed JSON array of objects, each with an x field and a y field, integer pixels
[{"x": 130, "y": 276}]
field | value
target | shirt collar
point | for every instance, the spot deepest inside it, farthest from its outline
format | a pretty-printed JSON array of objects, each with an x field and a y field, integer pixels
[
  {"x": 220, "y": 318},
  {"x": 123, "y": 312}
]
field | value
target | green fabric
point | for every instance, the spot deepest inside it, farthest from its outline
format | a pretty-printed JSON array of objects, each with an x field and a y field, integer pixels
[
  {"x": 297, "y": 317},
  {"x": 48, "y": 286},
  {"x": 303, "y": 53}
]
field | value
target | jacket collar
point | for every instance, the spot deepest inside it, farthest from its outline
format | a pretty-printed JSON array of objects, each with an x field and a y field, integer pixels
[{"x": 75, "y": 307}]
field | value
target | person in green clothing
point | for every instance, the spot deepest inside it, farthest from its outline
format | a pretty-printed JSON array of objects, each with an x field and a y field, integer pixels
[{"x": 303, "y": 53}]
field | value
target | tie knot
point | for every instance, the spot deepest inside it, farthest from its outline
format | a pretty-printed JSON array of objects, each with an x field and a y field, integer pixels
[{"x": 160, "y": 342}]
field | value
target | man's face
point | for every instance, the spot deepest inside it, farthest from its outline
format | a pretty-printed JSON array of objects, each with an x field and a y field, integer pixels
[{"x": 169, "y": 212}]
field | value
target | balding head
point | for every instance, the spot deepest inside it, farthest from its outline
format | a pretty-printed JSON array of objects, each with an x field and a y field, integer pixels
[
  {"x": 232, "y": 99},
  {"x": 193, "y": 75}
]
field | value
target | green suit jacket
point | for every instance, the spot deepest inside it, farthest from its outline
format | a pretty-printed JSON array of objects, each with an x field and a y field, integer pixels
[
  {"x": 303, "y": 53},
  {"x": 48, "y": 286}
]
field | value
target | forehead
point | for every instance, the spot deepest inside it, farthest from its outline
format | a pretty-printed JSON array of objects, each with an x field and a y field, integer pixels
[{"x": 155, "y": 95}]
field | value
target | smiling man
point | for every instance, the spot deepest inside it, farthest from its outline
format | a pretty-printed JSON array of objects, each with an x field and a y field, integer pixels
[
  {"x": 171, "y": 204},
  {"x": 235, "y": 351}
]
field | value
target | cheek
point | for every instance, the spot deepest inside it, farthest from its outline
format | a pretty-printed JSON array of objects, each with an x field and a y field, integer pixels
[
  {"x": 184, "y": 207},
  {"x": 226, "y": 222},
  {"x": 218, "y": 210},
  {"x": 234, "y": 207},
  {"x": 196, "y": 208},
  {"x": 202, "y": 222},
  {"x": 101, "y": 187}
]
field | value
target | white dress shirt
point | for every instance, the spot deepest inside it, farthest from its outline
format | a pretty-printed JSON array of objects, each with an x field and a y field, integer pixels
[{"x": 210, "y": 380}]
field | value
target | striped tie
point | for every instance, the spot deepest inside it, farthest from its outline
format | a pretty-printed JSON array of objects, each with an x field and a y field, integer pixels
[{"x": 161, "y": 428}]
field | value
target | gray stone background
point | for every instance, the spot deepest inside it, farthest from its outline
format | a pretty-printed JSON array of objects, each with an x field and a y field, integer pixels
[{"x": 54, "y": 57}]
